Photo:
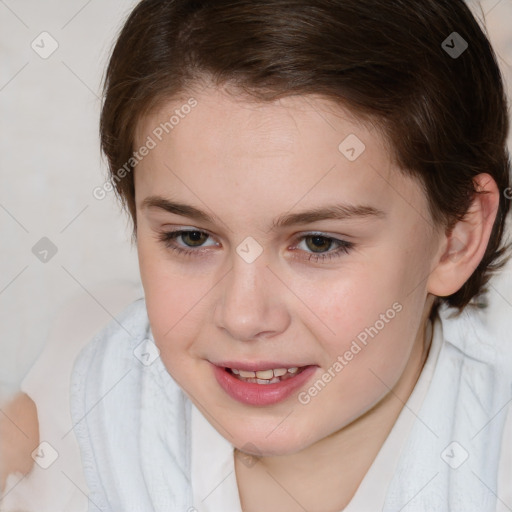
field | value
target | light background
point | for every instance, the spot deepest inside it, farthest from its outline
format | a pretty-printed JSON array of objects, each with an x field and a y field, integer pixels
[{"x": 50, "y": 163}]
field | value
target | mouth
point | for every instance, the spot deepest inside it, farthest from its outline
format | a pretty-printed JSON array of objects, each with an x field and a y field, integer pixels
[
  {"x": 266, "y": 376},
  {"x": 262, "y": 386}
]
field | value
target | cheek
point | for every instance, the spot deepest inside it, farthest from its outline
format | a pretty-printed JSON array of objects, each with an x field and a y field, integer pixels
[
  {"x": 368, "y": 320},
  {"x": 362, "y": 362},
  {"x": 167, "y": 299},
  {"x": 178, "y": 308},
  {"x": 351, "y": 299}
]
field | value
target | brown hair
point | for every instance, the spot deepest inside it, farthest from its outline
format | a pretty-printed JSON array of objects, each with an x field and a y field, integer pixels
[{"x": 444, "y": 116}]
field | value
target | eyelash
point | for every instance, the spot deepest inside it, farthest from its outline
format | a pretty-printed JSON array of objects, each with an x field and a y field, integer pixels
[{"x": 344, "y": 247}]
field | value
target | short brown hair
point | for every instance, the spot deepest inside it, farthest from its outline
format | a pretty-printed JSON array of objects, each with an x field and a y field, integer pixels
[{"x": 444, "y": 116}]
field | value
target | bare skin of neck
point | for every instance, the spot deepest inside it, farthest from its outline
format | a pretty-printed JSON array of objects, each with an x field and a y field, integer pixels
[{"x": 314, "y": 480}]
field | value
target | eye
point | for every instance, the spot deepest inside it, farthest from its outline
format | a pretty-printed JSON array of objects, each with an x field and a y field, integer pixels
[
  {"x": 317, "y": 241},
  {"x": 314, "y": 241},
  {"x": 194, "y": 237}
]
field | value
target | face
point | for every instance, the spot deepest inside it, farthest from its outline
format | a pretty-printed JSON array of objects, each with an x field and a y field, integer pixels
[{"x": 252, "y": 285}]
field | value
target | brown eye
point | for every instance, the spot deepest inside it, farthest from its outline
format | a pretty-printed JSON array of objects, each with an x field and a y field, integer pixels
[
  {"x": 320, "y": 243},
  {"x": 196, "y": 238},
  {"x": 190, "y": 239}
]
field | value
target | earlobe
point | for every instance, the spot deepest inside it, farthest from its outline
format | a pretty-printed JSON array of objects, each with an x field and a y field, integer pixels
[{"x": 465, "y": 245}]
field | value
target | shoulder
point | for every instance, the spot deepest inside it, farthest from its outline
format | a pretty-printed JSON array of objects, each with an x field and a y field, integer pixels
[
  {"x": 115, "y": 341},
  {"x": 106, "y": 401},
  {"x": 478, "y": 337},
  {"x": 108, "y": 358}
]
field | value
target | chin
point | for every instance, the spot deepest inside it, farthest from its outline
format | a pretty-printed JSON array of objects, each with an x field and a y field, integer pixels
[{"x": 269, "y": 441}]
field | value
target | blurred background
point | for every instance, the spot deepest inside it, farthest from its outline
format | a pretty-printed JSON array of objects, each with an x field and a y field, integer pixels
[{"x": 57, "y": 240}]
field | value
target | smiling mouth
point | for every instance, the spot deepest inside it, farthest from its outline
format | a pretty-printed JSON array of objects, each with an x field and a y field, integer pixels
[
  {"x": 259, "y": 387},
  {"x": 266, "y": 376}
]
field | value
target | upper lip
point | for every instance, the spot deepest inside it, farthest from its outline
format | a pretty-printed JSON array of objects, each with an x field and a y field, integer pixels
[{"x": 254, "y": 366}]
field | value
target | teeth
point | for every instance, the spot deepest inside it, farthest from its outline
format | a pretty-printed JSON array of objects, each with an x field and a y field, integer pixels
[
  {"x": 247, "y": 375},
  {"x": 264, "y": 381},
  {"x": 265, "y": 376}
]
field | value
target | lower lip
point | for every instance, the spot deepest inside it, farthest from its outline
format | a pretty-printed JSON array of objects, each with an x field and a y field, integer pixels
[{"x": 260, "y": 394}]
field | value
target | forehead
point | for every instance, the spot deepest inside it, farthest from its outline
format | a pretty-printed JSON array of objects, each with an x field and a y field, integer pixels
[
  {"x": 225, "y": 120},
  {"x": 303, "y": 149}
]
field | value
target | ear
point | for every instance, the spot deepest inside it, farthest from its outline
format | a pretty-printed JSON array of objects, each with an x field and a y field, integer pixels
[{"x": 464, "y": 247}]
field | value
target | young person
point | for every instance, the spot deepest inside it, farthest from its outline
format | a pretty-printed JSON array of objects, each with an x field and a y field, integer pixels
[{"x": 319, "y": 192}]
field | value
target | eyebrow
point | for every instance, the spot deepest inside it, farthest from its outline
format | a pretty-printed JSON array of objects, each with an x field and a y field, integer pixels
[{"x": 336, "y": 212}]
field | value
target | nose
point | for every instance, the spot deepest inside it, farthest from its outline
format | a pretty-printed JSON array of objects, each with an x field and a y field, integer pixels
[{"x": 252, "y": 303}]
